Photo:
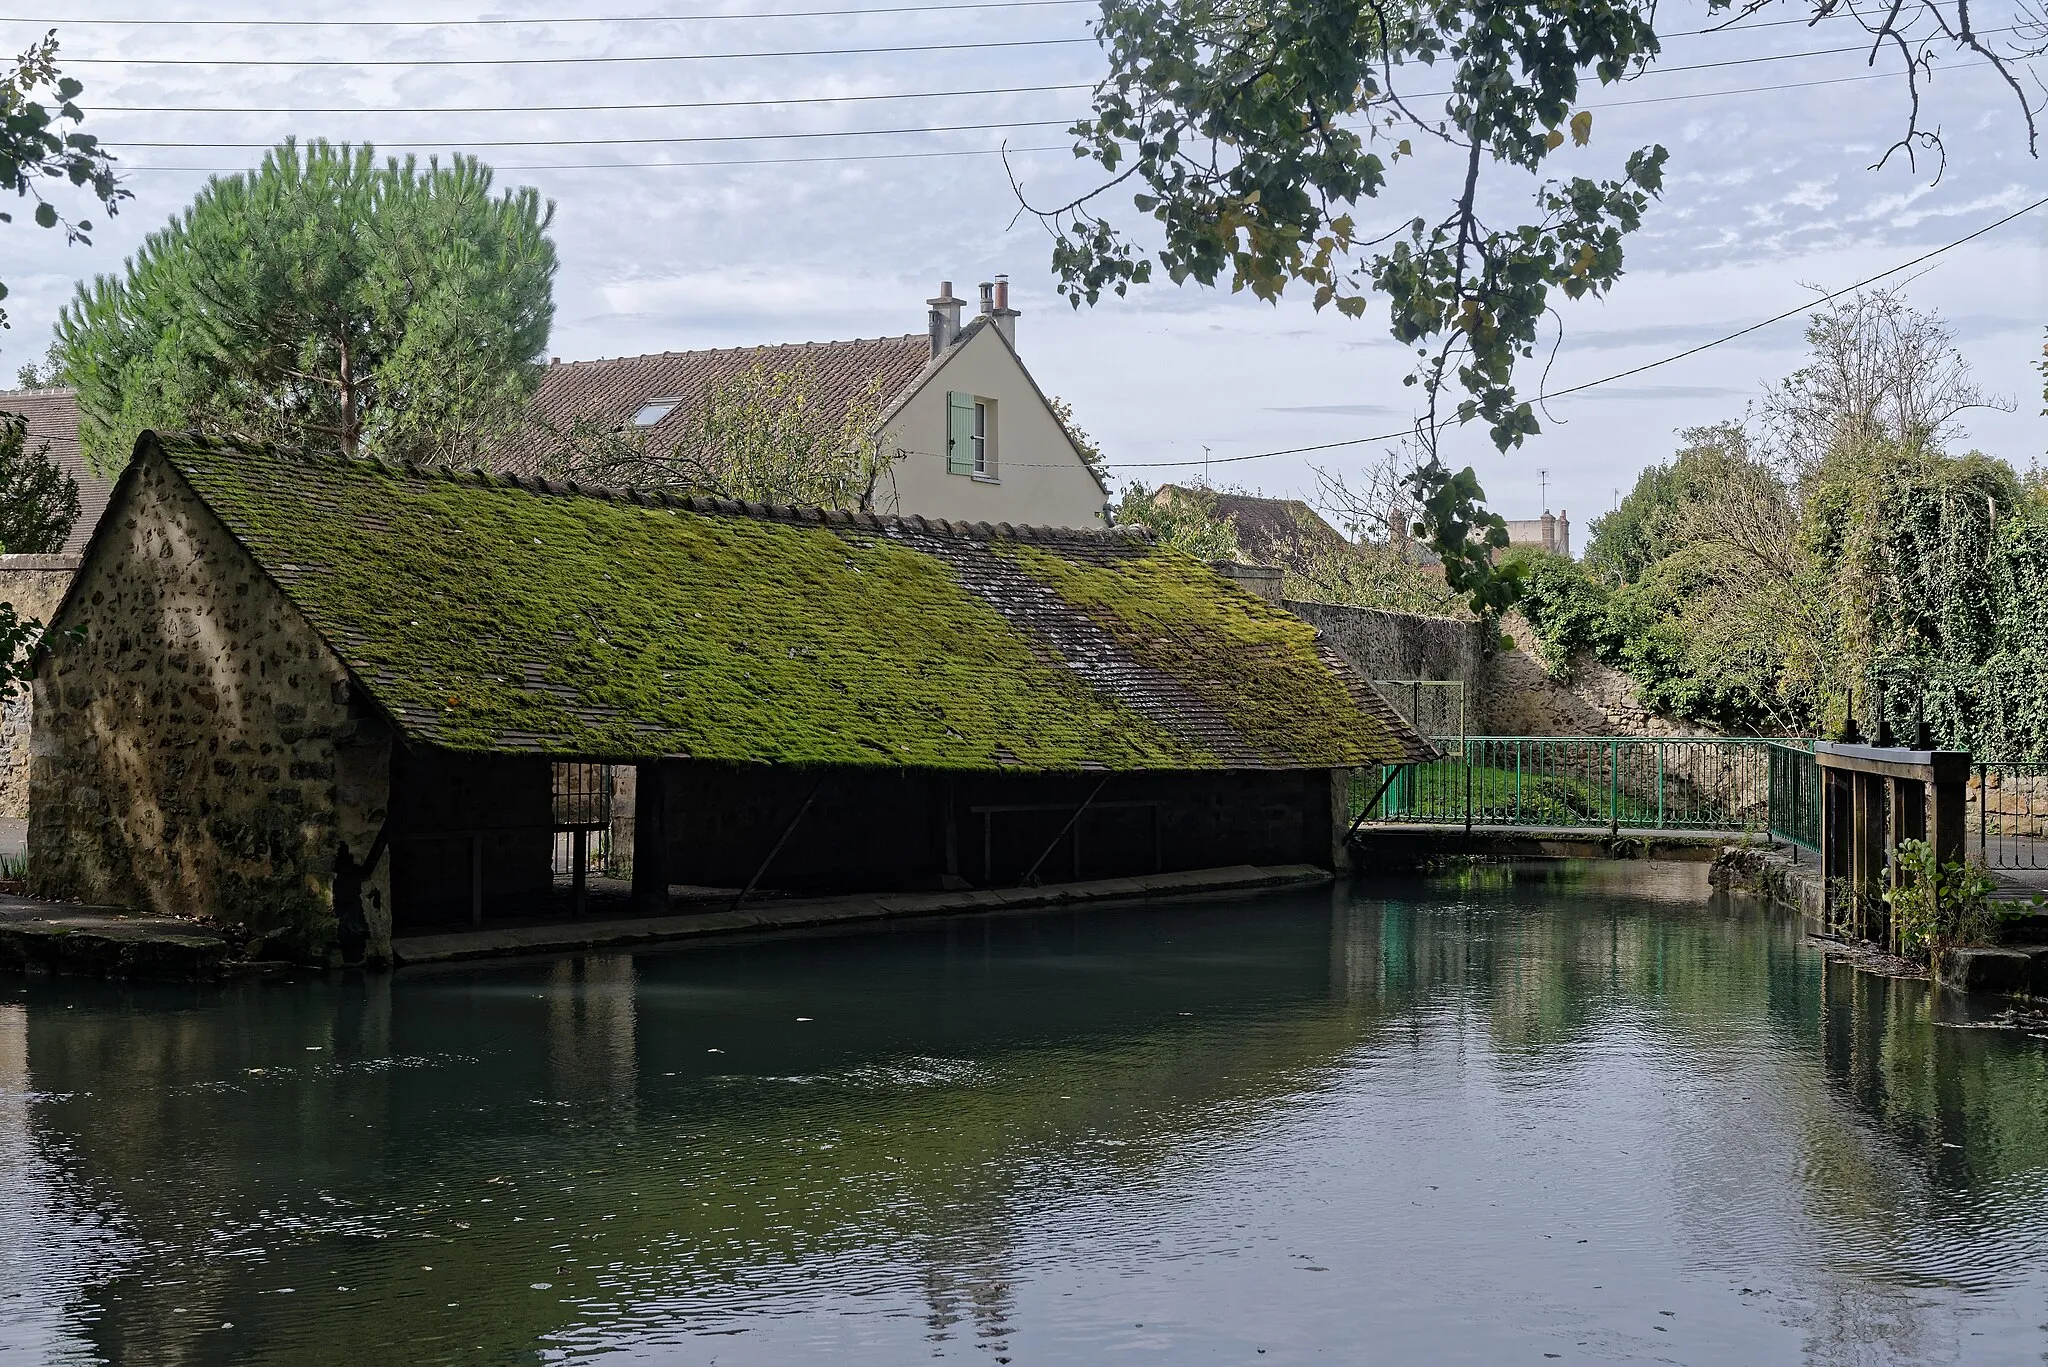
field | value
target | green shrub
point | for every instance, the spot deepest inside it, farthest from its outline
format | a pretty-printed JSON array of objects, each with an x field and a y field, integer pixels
[{"x": 1936, "y": 906}]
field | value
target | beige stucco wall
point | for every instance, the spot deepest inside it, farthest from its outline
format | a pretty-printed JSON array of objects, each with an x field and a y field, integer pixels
[
  {"x": 198, "y": 751},
  {"x": 32, "y": 585},
  {"x": 1039, "y": 478}
]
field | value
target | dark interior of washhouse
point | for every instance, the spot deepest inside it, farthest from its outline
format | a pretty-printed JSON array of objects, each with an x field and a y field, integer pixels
[{"x": 493, "y": 838}]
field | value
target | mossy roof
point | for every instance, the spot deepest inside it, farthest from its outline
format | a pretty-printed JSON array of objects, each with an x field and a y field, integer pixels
[{"x": 489, "y": 613}]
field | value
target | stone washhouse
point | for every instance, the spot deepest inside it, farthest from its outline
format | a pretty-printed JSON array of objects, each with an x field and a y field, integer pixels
[{"x": 329, "y": 702}]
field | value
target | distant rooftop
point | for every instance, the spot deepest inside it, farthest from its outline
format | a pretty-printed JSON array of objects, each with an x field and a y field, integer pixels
[{"x": 53, "y": 418}]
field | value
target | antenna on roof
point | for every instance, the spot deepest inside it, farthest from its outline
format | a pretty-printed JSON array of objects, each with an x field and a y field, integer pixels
[
  {"x": 1543, "y": 489},
  {"x": 1205, "y": 467}
]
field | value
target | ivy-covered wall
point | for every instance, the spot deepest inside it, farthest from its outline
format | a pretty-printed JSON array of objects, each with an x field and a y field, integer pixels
[{"x": 197, "y": 750}]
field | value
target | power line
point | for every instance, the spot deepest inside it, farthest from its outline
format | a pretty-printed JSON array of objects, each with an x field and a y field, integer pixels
[
  {"x": 809, "y": 52},
  {"x": 673, "y": 165},
  {"x": 1619, "y": 374},
  {"x": 649, "y": 142},
  {"x": 861, "y": 99},
  {"x": 502, "y": 21},
  {"x": 571, "y": 61},
  {"x": 580, "y": 108},
  {"x": 889, "y": 156}
]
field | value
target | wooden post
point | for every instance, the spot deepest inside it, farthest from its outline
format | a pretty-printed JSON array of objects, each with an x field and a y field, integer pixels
[
  {"x": 1860, "y": 829},
  {"x": 1947, "y": 801},
  {"x": 650, "y": 839}
]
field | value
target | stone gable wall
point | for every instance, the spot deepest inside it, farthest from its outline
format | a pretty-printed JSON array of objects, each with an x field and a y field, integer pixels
[
  {"x": 198, "y": 752},
  {"x": 32, "y": 585}
]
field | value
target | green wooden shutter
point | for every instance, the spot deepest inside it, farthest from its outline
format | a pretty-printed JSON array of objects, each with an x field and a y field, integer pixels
[{"x": 959, "y": 434}]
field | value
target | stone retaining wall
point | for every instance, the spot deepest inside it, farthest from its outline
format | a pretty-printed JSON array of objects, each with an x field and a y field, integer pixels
[{"x": 1507, "y": 692}]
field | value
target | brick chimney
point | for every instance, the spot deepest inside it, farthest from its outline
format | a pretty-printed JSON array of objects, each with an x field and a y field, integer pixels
[
  {"x": 1005, "y": 316},
  {"x": 944, "y": 319}
]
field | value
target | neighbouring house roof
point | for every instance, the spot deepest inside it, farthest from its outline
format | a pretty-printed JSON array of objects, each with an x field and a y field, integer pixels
[
  {"x": 488, "y": 612},
  {"x": 53, "y": 418},
  {"x": 1269, "y": 529},
  {"x": 607, "y": 394}
]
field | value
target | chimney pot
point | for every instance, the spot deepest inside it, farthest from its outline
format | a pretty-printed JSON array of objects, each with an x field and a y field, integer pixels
[
  {"x": 1000, "y": 311},
  {"x": 554, "y": 360},
  {"x": 988, "y": 298},
  {"x": 944, "y": 318}
]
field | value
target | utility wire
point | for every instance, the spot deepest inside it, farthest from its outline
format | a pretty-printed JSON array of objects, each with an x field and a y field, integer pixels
[
  {"x": 648, "y": 142},
  {"x": 572, "y": 61},
  {"x": 668, "y": 165},
  {"x": 578, "y": 108},
  {"x": 500, "y": 21},
  {"x": 504, "y": 21},
  {"x": 806, "y": 52},
  {"x": 1619, "y": 374},
  {"x": 893, "y": 156},
  {"x": 831, "y": 99},
  {"x": 787, "y": 100}
]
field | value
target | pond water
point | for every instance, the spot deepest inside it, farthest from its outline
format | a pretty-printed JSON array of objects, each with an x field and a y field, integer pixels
[{"x": 1582, "y": 1113}]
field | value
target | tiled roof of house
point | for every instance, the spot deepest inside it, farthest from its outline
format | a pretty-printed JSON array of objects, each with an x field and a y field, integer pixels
[
  {"x": 608, "y": 393},
  {"x": 1270, "y": 529},
  {"x": 487, "y": 612},
  {"x": 53, "y": 418}
]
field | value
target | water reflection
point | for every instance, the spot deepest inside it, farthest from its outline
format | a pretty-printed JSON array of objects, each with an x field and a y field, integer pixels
[{"x": 1583, "y": 1111}]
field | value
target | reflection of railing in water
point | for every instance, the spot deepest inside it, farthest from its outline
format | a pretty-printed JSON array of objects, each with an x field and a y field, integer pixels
[{"x": 1584, "y": 782}]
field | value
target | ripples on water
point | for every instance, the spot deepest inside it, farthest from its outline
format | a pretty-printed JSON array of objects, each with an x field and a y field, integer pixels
[{"x": 1582, "y": 1112}]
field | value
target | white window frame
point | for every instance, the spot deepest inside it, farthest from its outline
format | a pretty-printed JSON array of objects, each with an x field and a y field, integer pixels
[
  {"x": 666, "y": 405},
  {"x": 982, "y": 468}
]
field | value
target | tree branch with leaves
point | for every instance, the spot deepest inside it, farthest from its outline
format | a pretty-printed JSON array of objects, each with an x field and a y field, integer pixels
[
  {"x": 40, "y": 143},
  {"x": 765, "y": 436},
  {"x": 1252, "y": 136}
]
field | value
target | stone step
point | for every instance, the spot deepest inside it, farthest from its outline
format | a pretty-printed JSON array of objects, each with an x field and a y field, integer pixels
[{"x": 2005, "y": 968}]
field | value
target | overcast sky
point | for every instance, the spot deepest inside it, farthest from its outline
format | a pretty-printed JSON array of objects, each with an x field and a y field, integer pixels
[{"x": 779, "y": 238}]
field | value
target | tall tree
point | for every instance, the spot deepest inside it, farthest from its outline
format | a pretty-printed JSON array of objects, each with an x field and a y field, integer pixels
[
  {"x": 39, "y": 143},
  {"x": 1252, "y": 136},
  {"x": 323, "y": 300}
]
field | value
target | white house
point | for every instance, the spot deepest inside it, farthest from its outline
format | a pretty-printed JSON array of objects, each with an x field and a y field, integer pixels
[{"x": 980, "y": 441}]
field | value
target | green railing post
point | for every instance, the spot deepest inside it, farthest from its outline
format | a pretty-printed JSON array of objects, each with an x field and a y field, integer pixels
[
  {"x": 1614, "y": 787},
  {"x": 1660, "y": 785},
  {"x": 1468, "y": 791},
  {"x": 1518, "y": 783}
]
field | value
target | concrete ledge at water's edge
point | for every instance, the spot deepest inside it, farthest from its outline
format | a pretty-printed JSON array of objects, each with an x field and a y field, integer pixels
[
  {"x": 769, "y": 917},
  {"x": 107, "y": 942},
  {"x": 1401, "y": 848}
]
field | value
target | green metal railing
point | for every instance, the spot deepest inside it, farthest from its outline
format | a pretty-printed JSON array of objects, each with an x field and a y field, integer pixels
[
  {"x": 2011, "y": 801},
  {"x": 1611, "y": 783},
  {"x": 1795, "y": 792}
]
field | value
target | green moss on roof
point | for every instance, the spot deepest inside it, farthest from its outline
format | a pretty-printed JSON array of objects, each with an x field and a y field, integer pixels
[
  {"x": 1253, "y": 662},
  {"x": 482, "y": 616}
]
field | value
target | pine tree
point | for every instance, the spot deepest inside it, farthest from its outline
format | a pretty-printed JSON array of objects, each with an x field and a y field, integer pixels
[{"x": 322, "y": 301}]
